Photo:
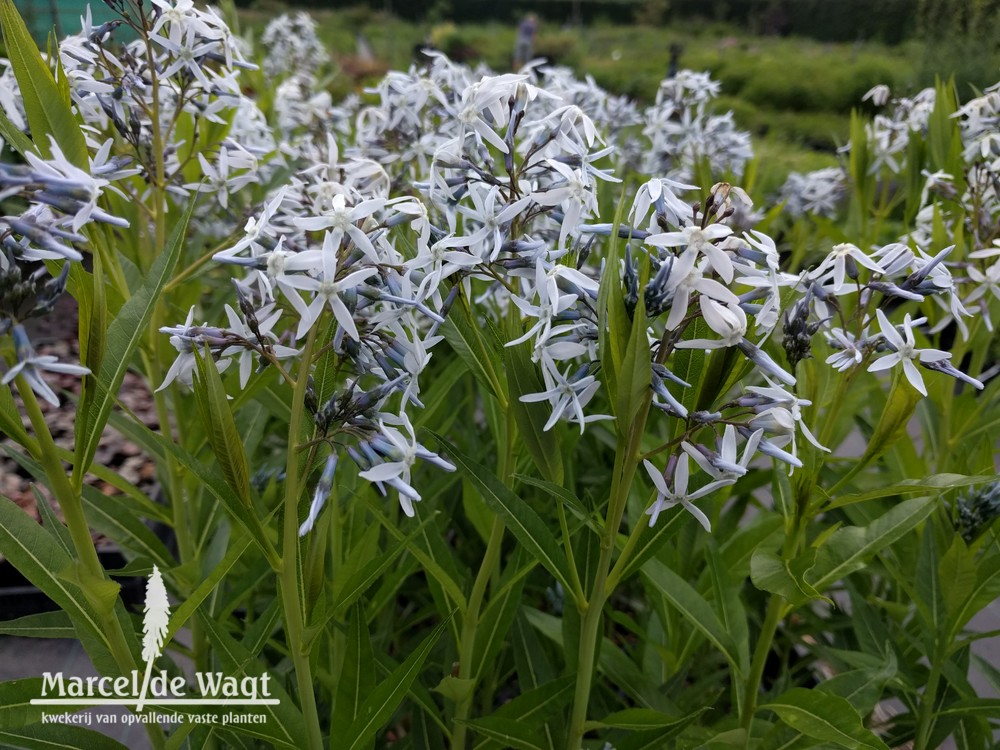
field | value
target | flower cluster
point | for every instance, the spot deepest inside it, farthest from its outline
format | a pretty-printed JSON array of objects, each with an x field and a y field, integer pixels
[
  {"x": 293, "y": 46},
  {"x": 682, "y": 130},
  {"x": 455, "y": 186},
  {"x": 62, "y": 200}
]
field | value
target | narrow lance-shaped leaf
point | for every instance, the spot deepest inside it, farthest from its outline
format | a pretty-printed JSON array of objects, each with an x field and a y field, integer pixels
[
  {"x": 612, "y": 317},
  {"x": 47, "y": 109},
  {"x": 16, "y": 709},
  {"x": 36, "y": 554},
  {"x": 220, "y": 427},
  {"x": 824, "y": 717},
  {"x": 523, "y": 378},
  {"x": 41, "y": 625},
  {"x": 57, "y": 737},
  {"x": 383, "y": 701},
  {"x": 93, "y": 327},
  {"x": 10, "y": 133},
  {"x": 636, "y": 369},
  {"x": 849, "y": 548},
  {"x": 284, "y": 725},
  {"x": 520, "y": 518},
  {"x": 480, "y": 352},
  {"x": 357, "y": 676},
  {"x": 124, "y": 335},
  {"x": 693, "y": 607}
]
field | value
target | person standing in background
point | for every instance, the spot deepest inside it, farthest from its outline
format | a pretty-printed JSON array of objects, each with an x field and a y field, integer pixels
[{"x": 524, "y": 44}]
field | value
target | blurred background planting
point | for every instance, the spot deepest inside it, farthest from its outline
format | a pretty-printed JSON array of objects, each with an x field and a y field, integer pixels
[{"x": 791, "y": 70}]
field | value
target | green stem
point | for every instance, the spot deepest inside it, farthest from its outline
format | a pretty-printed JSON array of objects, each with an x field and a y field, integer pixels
[
  {"x": 618, "y": 570},
  {"x": 76, "y": 521},
  {"x": 775, "y": 608},
  {"x": 626, "y": 461},
  {"x": 470, "y": 623},
  {"x": 289, "y": 580},
  {"x": 470, "y": 626},
  {"x": 69, "y": 501},
  {"x": 927, "y": 702},
  {"x": 83, "y": 544},
  {"x": 592, "y": 612}
]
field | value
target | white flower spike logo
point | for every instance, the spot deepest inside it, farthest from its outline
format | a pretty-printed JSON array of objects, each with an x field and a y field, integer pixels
[{"x": 154, "y": 626}]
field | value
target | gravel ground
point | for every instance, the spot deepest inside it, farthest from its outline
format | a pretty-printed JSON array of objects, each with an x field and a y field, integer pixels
[{"x": 55, "y": 334}]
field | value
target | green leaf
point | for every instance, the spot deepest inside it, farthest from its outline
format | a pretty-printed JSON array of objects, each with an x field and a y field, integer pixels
[
  {"x": 737, "y": 550},
  {"x": 567, "y": 498},
  {"x": 769, "y": 572},
  {"x": 424, "y": 733},
  {"x": 534, "y": 668},
  {"x": 522, "y": 379},
  {"x": 927, "y": 586},
  {"x": 10, "y": 421},
  {"x": 444, "y": 398},
  {"x": 959, "y": 570},
  {"x": 519, "y": 517},
  {"x": 124, "y": 335},
  {"x": 481, "y": 354},
  {"x": 17, "y": 140},
  {"x": 903, "y": 399},
  {"x": 724, "y": 368},
  {"x": 48, "y": 111},
  {"x": 726, "y": 592},
  {"x": 51, "y": 522},
  {"x": 689, "y": 364},
  {"x": 637, "y": 719},
  {"x": 41, "y": 625},
  {"x": 38, "y": 557},
  {"x": 693, "y": 607},
  {"x": 382, "y": 702},
  {"x": 652, "y": 539},
  {"x": 160, "y": 446},
  {"x": 15, "y": 702},
  {"x": 534, "y": 707},
  {"x": 824, "y": 717},
  {"x": 359, "y": 581},
  {"x": 849, "y": 548},
  {"x": 613, "y": 323},
  {"x": 225, "y": 439},
  {"x": 455, "y": 689},
  {"x": 656, "y": 739},
  {"x": 986, "y": 707},
  {"x": 115, "y": 519},
  {"x": 237, "y": 547},
  {"x": 862, "y": 688},
  {"x": 496, "y": 620},
  {"x": 510, "y": 733},
  {"x": 862, "y": 181},
  {"x": 93, "y": 326},
  {"x": 357, "y": 675},
  {"x": 931, "y": 484},
  {"x": 944, "y": 137},
  {"x": 324, "y": 379},
  {"x": 986, "y": 590},
  {"x": 427, "y": 561},
  {"x": 56, "y": 736},
  {"x": 284, "y": 725},
  {"x": 636, "y": 372}
]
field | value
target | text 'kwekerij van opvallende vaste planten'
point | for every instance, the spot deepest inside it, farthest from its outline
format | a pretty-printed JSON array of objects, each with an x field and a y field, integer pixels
[{"x": 494, "y": 410}]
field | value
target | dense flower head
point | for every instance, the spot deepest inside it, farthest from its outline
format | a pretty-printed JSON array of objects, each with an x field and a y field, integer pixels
[{"x": 292, "y": 45}]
